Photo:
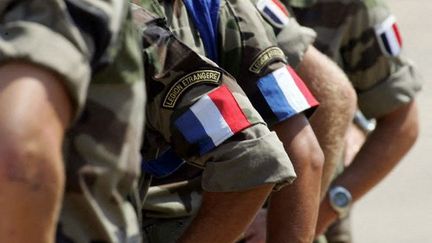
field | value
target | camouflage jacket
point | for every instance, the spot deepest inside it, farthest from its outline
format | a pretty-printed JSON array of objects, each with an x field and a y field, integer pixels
[
  {"x": 246, "y": 48},
  {"x": 299, "y": 3},
  {"x": 92, "y": 46}
]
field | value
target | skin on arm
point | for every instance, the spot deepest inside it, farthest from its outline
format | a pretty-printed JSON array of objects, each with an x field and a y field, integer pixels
[
  {"x": 329, "y": 123},
  {"x": 393, "y": 137},
  {"x": 293, "y": 211},
  {"x": 224, "y": 216},
  {"x": 34, "y": 113},
  {"x": 354, "y": 140},
  {"x": 338, "y": 102}
]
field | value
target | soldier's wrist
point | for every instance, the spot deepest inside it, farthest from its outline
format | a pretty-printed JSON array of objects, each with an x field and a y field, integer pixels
[{"x": 364, "y": 124}]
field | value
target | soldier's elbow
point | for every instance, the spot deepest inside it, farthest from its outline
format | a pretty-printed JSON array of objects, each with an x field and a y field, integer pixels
[{"x": 32, "y": 162}]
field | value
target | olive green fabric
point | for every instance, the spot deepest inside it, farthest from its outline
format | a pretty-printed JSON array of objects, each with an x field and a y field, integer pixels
[
  {"x": 346, "y": 33},
  {"x": 293, "y": 38},
  {"x": 252, "y": 157},
  {"x": 168, "y": 60},
  {"x": 247, "y": 160},
  {"x": 93, "y": 47},
  {"x": 299, "y": 3}
]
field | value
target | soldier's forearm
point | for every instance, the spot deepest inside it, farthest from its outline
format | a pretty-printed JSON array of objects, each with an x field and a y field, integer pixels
[
  {"x": 384, "y": 148},
  {"x": 224, "y": 216},
  {"x": 299, "y": 201},
  {"x": 338, "y": 103}
]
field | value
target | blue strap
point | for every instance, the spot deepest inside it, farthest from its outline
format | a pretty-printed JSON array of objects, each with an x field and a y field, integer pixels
[
  {"x": 166, "y": 164},
  {"x": 205, "y": 14}
]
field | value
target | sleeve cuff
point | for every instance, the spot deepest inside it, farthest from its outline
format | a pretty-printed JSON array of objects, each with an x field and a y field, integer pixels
[
  {"x": 399, "y": 89},
  {"x": 249, "y": 164},
  {"x": 27, "y": 41}
]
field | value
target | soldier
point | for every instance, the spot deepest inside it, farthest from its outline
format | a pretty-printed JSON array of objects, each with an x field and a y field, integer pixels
[
  {"x": 325, "y": 79},
  {"x": 62, "y": 77},
  {"x": 200, "y": 113},
  {"x": 363, "y": 38},
  {"x": 337, "y": 105},
  {"x": 252, "y": 60}
]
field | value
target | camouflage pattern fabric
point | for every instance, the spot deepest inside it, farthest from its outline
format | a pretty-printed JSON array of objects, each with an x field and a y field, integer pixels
[
  {"x": 254, "y": 149},
  {"x": 247, "y": 44},
  {"x": 300, "y": 3},
  {"x": 166, "y": 222},
  {"x": 349, "y": 32},
  {"x": 292, "y": 38},
  {"x": 94, "y": 49},
  {"x": 243, "y": 37}
]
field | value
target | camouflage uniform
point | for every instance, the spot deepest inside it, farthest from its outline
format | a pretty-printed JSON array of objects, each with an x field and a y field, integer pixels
[
  {"x": 350, "y": 32},
  {"x": 171, "y": 201},
  {"x": 94, "y": 49},
  {"x": 292, "y": 38}
]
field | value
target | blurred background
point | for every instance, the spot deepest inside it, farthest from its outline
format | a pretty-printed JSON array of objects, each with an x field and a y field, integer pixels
[{"x": 399, "y": 210}]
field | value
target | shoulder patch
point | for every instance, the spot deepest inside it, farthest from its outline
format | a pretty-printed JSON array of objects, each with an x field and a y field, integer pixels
[
  {"x": 266, "y": 57},
  {"x": 274, "y": 12},
  {"x": 187, "y": 81},
  {"x": 389, "y": 37}
]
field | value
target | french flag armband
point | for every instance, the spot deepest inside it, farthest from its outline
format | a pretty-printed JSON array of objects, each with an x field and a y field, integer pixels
[
  {"x": 274, "y": 12},
  {"x": 389, "y": 37},
  {"x": 285, "y": 95},
  {"x": 213, "y": 119}
]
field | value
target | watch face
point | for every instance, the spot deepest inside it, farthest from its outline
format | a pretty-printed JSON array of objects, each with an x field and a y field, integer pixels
[{"x": 341, "y": 199}]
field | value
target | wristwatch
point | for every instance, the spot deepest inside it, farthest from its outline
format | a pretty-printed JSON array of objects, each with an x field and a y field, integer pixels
[
  {"x": 340, "y": 200},
  {"x": 367, "y": 126}
]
